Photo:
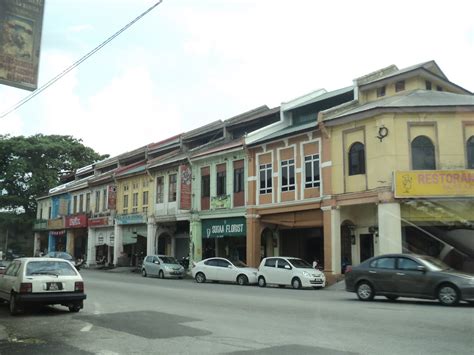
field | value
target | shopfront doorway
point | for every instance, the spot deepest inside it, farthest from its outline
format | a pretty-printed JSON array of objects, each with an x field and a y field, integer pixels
[{"x": 366, "y": 246}]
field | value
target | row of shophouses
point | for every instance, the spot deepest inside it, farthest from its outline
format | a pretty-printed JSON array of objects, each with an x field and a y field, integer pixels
[{"x": 384, "y": 165}]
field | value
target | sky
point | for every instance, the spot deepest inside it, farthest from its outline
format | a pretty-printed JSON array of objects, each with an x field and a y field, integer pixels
[{"x": 191, "y": 62}]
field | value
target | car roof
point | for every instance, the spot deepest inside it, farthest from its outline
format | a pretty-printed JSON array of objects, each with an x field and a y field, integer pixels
[{"x": 40, "y": 259}]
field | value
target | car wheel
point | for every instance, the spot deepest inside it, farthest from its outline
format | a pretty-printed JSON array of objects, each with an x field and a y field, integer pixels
[
  {"x": 14, "y": 309},
  {"x": 143, "y": 272},
  {"x": 242, "y": 280},
  {"x": 74, "y": 309},
  {"x": 365, "y": 291},
  {"x": 392, "y": 298},
  {"x": 296, "y": 283},
  {"x": 262, "y": 282},
  {"x": 161, "y": 275},
  {"x": 448, "y": 295},
  {"x": 200, "y": 278}
]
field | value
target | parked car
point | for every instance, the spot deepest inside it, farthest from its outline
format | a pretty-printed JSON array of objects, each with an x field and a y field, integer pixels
[
  {"x": 408, "y": 275},
  {"x": 289, "y": 271},
  {"x": 42, "y": 281},
  {"x": 221, "y": 269},
  {"x": 162, "y": 266},
  {"x": 11, "y": 255},
  {"x": 3, "y": 266},
  {"x": 66, "y": 256}
]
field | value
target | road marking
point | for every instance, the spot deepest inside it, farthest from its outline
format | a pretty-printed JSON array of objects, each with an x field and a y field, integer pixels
[{"x": 87, "y": 328}]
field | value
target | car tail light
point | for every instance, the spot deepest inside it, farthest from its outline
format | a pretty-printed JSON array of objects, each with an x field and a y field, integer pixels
[
  {"x": 26, "y": 287},
  {"x": 348, "y": 268},
  {"x": 79, "y": 286}
]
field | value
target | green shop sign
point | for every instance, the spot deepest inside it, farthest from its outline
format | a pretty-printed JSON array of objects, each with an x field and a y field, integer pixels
[
  {"x": 136, "y": 218},
  {"x": 224, "y": 227}
]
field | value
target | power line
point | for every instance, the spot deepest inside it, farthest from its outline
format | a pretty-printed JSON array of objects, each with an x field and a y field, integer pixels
[{"x": 77, "y": 63}]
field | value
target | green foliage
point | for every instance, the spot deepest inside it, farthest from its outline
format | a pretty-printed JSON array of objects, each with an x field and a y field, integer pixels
[{"x": 30, "y": 166}]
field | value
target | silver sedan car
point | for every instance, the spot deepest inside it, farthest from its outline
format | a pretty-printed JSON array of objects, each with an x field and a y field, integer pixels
[{"x": 162, "y": 266}]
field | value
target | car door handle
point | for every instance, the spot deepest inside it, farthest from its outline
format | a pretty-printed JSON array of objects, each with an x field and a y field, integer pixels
[
  {"x": 372, "y": 272},
  {"x": 400, "y": 274}
]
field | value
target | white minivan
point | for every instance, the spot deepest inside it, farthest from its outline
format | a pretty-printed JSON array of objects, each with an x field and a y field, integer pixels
[{"x": 289, "y": 271}]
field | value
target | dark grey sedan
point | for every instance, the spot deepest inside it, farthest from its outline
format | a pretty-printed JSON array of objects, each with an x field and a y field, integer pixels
[{"x": 408, "y": 275}]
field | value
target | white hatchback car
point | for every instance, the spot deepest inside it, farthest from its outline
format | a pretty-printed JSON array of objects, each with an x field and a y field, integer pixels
[
  {"x": 42, "y": 281},
  {"x": 288, "y": 271},
  {"x": 220, "y": 269}
]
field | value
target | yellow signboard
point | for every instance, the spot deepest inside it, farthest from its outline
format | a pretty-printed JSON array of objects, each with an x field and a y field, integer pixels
[{"x": 434, "y": 183}]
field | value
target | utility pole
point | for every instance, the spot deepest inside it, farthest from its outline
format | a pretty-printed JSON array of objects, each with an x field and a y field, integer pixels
[{"x": 6, "y": 242}]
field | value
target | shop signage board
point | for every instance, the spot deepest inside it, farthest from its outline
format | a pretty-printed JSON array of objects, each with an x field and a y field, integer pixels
[
  {"x": 21, "y": 23},
  {"x": 112, "y": 197},
  {"x": 434, "y": 183},
  {"x": 99, "y": 222},
  {"x": 185, "y": 188},
  {"x": 219, "y": 202},
  {"x": 224, "y": 227},
  {"x": 78, "y": 221},
  {"x": 57, "y": 223},
  {"x": 136, "y": 218},
  {"x": 40, "y": 224}
]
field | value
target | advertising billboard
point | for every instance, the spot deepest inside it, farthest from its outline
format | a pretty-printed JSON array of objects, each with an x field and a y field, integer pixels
[{"x": 21, "y": 24}]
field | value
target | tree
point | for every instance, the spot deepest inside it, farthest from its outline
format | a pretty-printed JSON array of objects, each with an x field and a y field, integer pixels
[{"x": 30, "y": 166}]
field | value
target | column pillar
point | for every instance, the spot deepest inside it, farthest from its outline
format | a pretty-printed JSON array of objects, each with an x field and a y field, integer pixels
[
  {"x": 332, "y": 239},
  {"x": 70, "y": 241},
  {"x": 195, "y": 231},
  {"x": 390, "y": 228},
  {"x": 253, "y": 240},
  {"x": 91, "y": 239},
  {"x": 51, "y": 243},
  {"x": 37, "y": 244},
  {"x": 150, "y": 237},
  {"x": 118, "y": 244}
]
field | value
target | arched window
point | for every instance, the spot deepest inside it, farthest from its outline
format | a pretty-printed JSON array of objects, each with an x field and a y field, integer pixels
[
  {"x": 470, "y": 153},
  {"x": 356, "y": 159},
  {"x": 422, "y": 154}
]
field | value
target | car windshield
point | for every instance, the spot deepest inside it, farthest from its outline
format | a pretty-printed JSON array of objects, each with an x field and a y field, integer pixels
[
  {"x": 300, "y": 264},
  {"x": 168, "y": 260},
  {"x": 57, "y": 268},
  {"x": 434, "y": 264},
  {"x": 238, "y": 263}
]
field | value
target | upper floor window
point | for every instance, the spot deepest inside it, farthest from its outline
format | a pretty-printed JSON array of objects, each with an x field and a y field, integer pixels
[
  {"x": 145, "y": 198},
  {"x": 159, "y": 189},
  {"x": 205, "y": 182},
  {"x": 135, "y": 185},
  {"x": 97, "y": 201},
  {"x": 311, "y": 170},
  {"x": 288, "y": 175},
  {"x": 238, "y": 180},
  {"x": 221, "y": 180},
  {"x": 88, "y": 202},
  {"x": 266, "y": 178},
  {"x": 81, "y": 203},
  {"x": 125, "y": 187},
  {"x": 125, "y": 204},
  {"x": 381, "y": 91},
  {"x": 135, "y": 202},
  {"x": 428, "y": 85},
  {"x": 49, "y": 212},
  {"x": 74, "y": 205},
  {"x": 422, "y": 154},
  {"x": 439, "y": 88},
  {"x": 104, "y": 199},
  {"x": 357, "y": 159},
  {"x": 400, "y": 85},
  {"x": 470, "y": 153},
  {"x": 145, "y": 182},
  {"x": 172, "y": 188}
]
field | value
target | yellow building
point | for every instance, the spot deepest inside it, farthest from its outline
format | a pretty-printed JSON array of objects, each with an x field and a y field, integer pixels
[{"x": 400, "y": 158}]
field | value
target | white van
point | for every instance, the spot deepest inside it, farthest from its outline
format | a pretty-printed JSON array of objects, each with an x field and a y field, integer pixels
[{"x": 289, "y": 271}]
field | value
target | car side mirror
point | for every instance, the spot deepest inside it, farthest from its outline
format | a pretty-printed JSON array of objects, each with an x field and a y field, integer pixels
[
  {"x": 230, "y": 266},
  {"x": 288, "y": 267},
  {"x": 421, "y": 268},
  {"x": 157, "y": 262}
]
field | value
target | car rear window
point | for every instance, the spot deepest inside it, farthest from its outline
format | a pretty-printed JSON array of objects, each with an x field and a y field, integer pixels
[{"x": 58, "y": 268}]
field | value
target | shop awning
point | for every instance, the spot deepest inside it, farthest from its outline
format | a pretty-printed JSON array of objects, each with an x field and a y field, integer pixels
[{"x": 300, "y": 219}]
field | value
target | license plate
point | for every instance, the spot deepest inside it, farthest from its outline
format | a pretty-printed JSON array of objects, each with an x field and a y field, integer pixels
[{"x": 54, "y": 286}]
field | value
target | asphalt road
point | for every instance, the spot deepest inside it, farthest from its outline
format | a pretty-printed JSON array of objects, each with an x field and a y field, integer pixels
[{"x": 128, "y": 314}]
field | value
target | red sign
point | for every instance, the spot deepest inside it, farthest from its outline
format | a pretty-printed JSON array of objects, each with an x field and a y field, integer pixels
[
  {"x": 94, "y": 222},
  {"x": 185, "y": 188},
  {"x": 79, "y": 221}
]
